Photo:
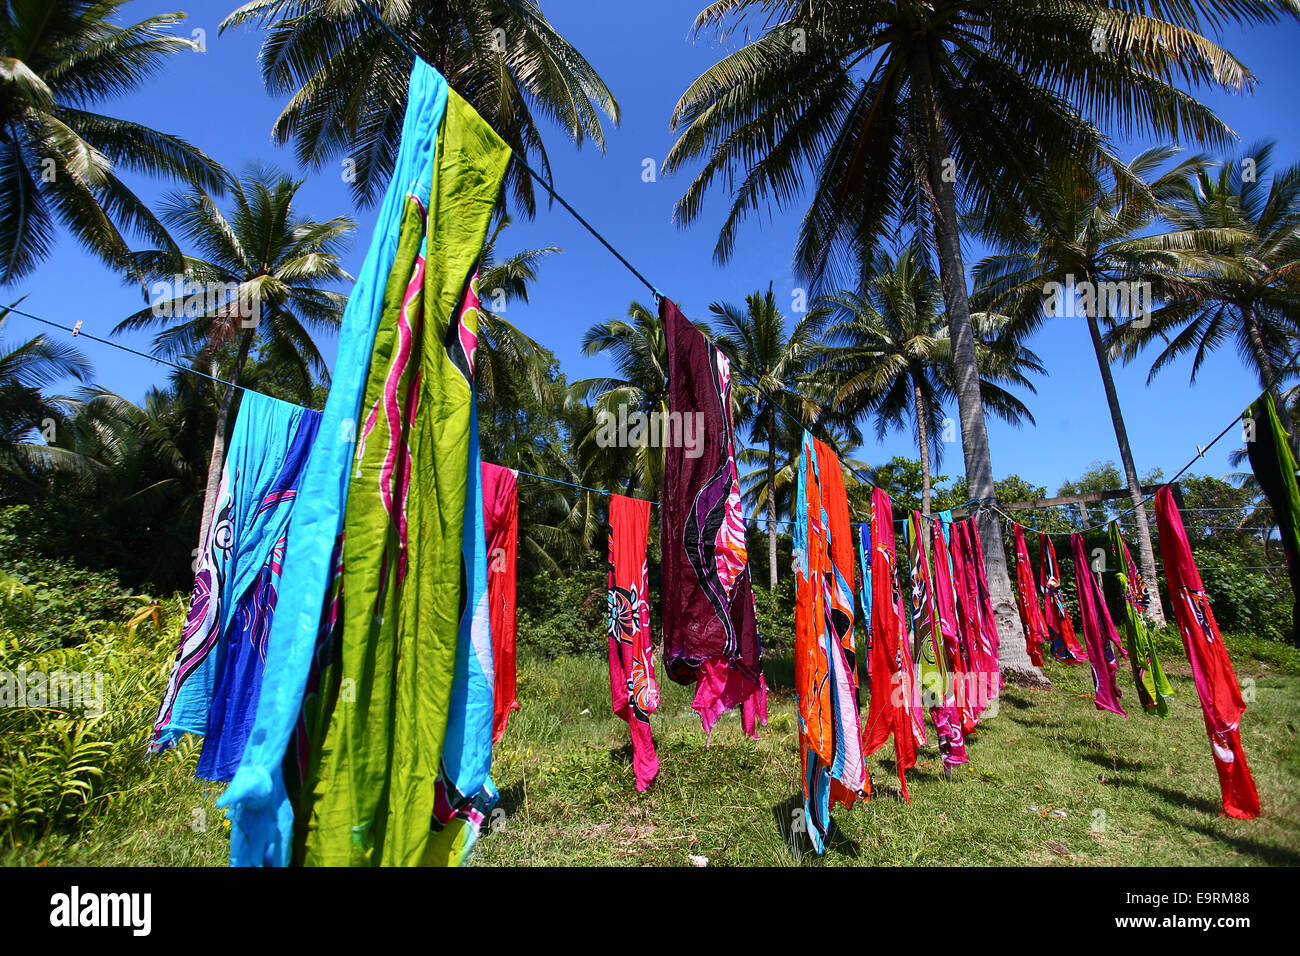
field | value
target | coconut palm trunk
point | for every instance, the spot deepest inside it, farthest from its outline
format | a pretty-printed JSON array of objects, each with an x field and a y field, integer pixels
[
  {"x": 771, "y": 500},
  {"x": 923, "y": 439},
  {"x": 1267, "y": 374},
  {"x": 218, "y": 459},
  {"x": 974, "y": 435},
  {"x": 1146, "y": 554}
]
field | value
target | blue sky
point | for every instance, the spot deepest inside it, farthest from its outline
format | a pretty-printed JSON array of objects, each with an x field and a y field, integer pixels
[{"x": 216, "y": 100}]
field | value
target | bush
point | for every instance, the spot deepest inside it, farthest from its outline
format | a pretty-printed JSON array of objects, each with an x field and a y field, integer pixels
[{"x": 565, "y": 615}]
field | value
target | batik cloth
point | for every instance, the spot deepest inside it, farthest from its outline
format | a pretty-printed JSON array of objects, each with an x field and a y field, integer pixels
[
  {"x": 501, "y": 520},
  {"x": 864, "y": 593},
  {"x": 257, "y": 799},
  {"x": 946, "y": 606},
  {"x": 975, "y": 612},
  {"x": 402, "y": 774},
  {"x": 1216, "y": 682},
  {"x": 1031, "y": 613},
  {"x": 633, "y": 687},
  {"x": 711, "y": 634},
  {"x": 1153, "y": 686},
  {"x": 892, "y": 683},
  {"x": 1065, "y": 646},
  {"x": 830, "y": 733},
  {"x": 1099, "y": 632},
  {"x": 933, "y": 676},
  {"x": 1274, "y": 465},
  {"x": 216, "y": 677}
]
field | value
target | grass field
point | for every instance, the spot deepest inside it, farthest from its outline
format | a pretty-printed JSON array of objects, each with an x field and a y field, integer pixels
[{"x": 1051, "y": 781}]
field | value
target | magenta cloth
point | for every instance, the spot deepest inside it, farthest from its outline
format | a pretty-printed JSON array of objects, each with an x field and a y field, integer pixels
[
  {"x": 1098, "y": 631},
  {"x": 632, "y": 684},
  {"x": 710, "y": 626},
  {"x": 1222, "y": 703}
]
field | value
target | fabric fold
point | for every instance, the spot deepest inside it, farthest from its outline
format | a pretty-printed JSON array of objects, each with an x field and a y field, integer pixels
[
  {"x": 1031, "y": 614},
  {"x": 830, "y": 732},
  {"x": 257, "y": 799},
  {"x": 501, "y": 522},
  {"x": 1065, "y": 646},
  {"x": 1216, "y": 682},
  {"x": 217, "y": 675},
  {"x": 934, "y": 676},
  {"x": 1153, "y": 686},
  {"x": 892, "y": 687},
  {"x": 711, "y": 633},
  {"x": 1099, "y": 632},
  {"x": 1271, "y": 459},
  {"x": 633, "y": 686}
]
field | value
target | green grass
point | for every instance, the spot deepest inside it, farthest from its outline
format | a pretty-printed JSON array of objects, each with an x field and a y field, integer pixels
[{"x": 568, "y": 795}]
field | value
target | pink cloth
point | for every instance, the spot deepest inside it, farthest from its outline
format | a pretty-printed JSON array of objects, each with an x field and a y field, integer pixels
[{"x": 1098, "y": 631}]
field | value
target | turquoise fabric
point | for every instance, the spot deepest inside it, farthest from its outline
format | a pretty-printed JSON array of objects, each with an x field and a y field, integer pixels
[{"x": 256, "y": 801}]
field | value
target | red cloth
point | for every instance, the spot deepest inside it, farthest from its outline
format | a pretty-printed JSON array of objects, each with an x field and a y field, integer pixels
[
  {"x": 633, "y": 689},
  {"x": 984, "y": 678},
  {"x": 891, "y": 689},
  {"x": 1098, "y": 631},
  {"x": 950, "y": 627},
  {"x": 501, "y": 523},
  {"x": 710, "y": 624},
  {"x": 1031, "y": 613},
  {"x": 1065, "y": 647},
  {"x": 1216, "y": 682}
]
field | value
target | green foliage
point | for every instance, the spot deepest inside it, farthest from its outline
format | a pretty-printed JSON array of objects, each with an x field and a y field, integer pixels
[
  {"x": 54, "y": 603},
  {"x": 560, "y": 615}
]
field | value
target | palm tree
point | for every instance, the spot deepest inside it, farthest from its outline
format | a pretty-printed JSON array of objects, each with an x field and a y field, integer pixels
[
  {"x": 346, "y": 77},
  {"x": 910, "y": 108},
  {"x": 640, "y": 353},
  {"x": 60, "y": 160},
  {"x": 1092, "y": 232},
  {"x": 891, "y": 356},
  {"x": 507, "y": 359},
  {"x": 1249, "y": 292},
  {"x": 765, "y": 361},
  {"x": 26, "y": 370},
  {"x": 257, "y": 279}
]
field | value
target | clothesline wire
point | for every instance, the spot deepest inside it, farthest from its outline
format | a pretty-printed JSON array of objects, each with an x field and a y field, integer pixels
[
  {"x": 1200, "y": 453},
  {"x": 77, "y": 332},
  {"x": 520, "y": 160}
]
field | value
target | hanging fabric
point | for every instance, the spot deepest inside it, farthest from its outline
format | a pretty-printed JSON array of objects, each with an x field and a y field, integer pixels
[
  {"x": 976, "y": 614},
  {"x": 1031, "y": 614},
  {"x": 216, "y": 677},
  {"x": 1098, "y": 631},
  {"x": 945, "y": 592},
  {"x": 633, "y": 687},
  {"x": 1274, "y": 465},
  {"x": 711, "y": 634},
  {"x": 405, "y": 704},
  {"x": 864, "y": 593},
  {"x": 830, "y": 733},
  {"x": 1153, "y": 686},
  {"x": 415, "y": 636},
  {"x": 927, "y": 649},
  {"x": 1216, "y": 683},
  {"x": 892, "y": 688},
  {"x": 1065, "y": 647},
  {"x": 501, "y": 521},
  {"x": 259, "y": 804}
]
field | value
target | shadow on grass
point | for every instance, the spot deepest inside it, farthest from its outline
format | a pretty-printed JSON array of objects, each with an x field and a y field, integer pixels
[
  {"x": 1274, "y": 855},
  {"x": 789, "y": 817},
  {"x": 1113, "y": 763}
]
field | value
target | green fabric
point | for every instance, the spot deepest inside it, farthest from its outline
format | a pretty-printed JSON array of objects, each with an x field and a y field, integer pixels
[
  {"x": 1274, "y": 465},
  {"x": 1153, "y": 686},
  {"x": 370, "y": 784}
]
